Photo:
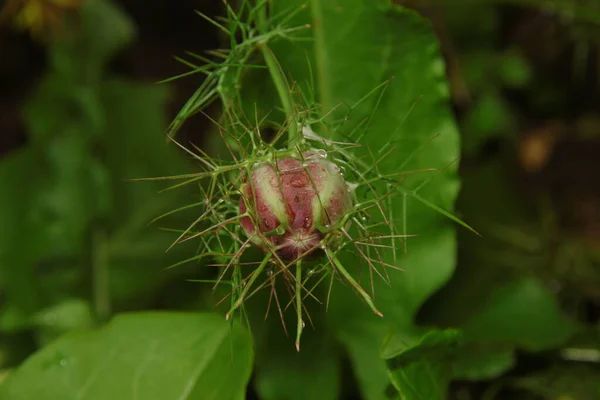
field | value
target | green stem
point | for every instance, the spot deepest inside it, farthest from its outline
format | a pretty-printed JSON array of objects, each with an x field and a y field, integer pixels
[
  {"x": 251, "y": 281},
  {"x": 100, "y": 277},
  {"x": 284, "y": 93},
  {"x": 340, "y": 268},
  {"x": 300, "y": 325}
]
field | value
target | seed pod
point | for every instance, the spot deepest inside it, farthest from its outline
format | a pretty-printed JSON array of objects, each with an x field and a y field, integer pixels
[{"x": 294, "y": 203}]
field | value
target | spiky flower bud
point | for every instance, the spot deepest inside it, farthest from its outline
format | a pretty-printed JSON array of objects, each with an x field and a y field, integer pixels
[{"x": 294, "y": 203}]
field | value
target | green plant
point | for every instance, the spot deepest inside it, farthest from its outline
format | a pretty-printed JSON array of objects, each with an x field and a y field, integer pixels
[
  {"x": 302, "y": 93},
  {"x": 373, "y": 121}
]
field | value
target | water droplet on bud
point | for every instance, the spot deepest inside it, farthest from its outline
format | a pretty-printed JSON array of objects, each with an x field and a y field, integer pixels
[
  {"x": 307, "y": 223},
  {"x": 321, "y": 153},
  {"x": 298, "y": 181}
]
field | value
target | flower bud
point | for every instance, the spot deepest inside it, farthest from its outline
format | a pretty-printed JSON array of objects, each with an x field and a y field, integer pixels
[{"x": 294, "y": 203}]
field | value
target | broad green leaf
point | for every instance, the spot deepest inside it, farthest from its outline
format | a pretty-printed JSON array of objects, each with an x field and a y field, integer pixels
[
  {"x": 153, "y": 355},
  {"x": 524, "y": 314},
  {"x": 358, "y": 46},
  {"x": 381, "y": 42}
]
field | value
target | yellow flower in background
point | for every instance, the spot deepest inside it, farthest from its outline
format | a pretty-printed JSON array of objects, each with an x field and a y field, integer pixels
[{"x": 42, "y": 18}]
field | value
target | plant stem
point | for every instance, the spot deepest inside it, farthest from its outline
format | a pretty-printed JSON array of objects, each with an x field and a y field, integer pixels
[
  {"x": 340, "y": 268},
  {"x": 300, "y": 325},
  {"x": 284, "y": 93},
  {"x": 101, "y": 282},
  {"x": 278, "y": 77},
  {"x": 249, "y": 284}
]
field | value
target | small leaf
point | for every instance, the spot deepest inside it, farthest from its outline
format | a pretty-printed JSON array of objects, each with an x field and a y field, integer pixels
[
  {"x": 402, "y": 349},
  {"x": 422, "y": 380},
  {"x": 475, "y": 362},
  {"x": 420, "y": 367}
]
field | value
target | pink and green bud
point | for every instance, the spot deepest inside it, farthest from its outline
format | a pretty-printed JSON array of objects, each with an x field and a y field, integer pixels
[{"x": 294, "y": 203}]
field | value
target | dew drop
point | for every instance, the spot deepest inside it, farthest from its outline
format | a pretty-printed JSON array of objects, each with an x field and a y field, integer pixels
[
  {"x": 303, "y": 324},
  {"x": 307, "y": 223},
  {"x": 311, "y": 271},
  {"x": 63, "y": 362},
  {"x": 321, "y": 153},
  {"x": 298, "y": 181}
]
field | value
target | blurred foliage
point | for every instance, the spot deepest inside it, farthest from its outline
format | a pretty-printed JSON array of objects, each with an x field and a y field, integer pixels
[
  {"x": 74, "y": 242},
  {"x": 141, "y": 356},
  {"x": 519, "y": 318},
  {"x": 44, "y": 19}
]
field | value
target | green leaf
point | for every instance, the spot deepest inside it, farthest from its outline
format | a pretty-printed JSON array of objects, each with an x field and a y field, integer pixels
[
  {"x": 282, "y": 373},
  {"x": 146, "y": 356},
  {"x": 56, "y": 188},
  {"x": 362, "y": 342},
  {"x": 66, "y": 316},
  {"x": 23, "y": 235},
  {"x": 81, "y": 57},
  {"x": 515, "y": 70},
  {"x": 420, "y": 366},
  {"x": 135, "y": 125},
  {"x": 135, "y": 147},
  {"x": 524, "y": 314},
  {"x": 402, "y": 349},
  {"x": 475, "y": 362},
  {"x": 490, "y": 117},
  {"x": 359, "y": 46},
  {"x": 422, "y": 380}
]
